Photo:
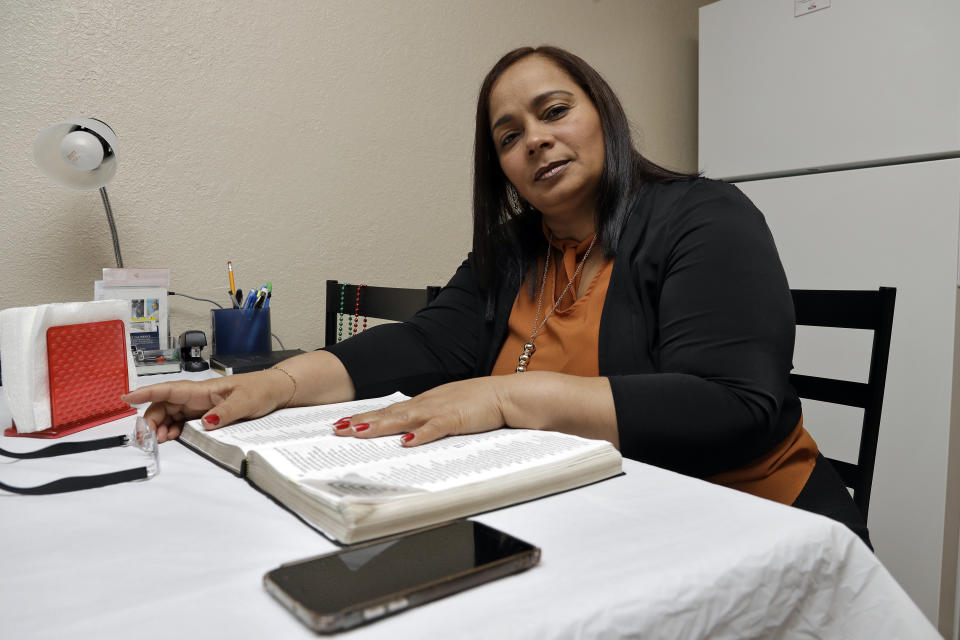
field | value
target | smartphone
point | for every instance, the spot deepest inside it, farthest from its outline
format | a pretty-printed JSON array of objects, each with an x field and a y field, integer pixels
[{"x": 362, "y": 583}]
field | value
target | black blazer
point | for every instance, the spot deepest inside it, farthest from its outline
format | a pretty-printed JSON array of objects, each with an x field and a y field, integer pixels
[{"x": 696, "y": 336}]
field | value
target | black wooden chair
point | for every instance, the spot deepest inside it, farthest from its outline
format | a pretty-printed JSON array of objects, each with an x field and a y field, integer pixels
[
  {"x": 871, "y": 310},
  {"x": 384, "y": 303}
]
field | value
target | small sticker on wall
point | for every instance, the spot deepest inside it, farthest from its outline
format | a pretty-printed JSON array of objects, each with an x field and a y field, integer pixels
[{"x": 803, "y": 7}]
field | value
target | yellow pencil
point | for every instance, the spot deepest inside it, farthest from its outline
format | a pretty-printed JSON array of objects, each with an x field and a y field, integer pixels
[{"x": 233, "y": 285}]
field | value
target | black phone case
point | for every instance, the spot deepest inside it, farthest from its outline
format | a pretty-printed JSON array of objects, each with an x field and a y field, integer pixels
[{"x": 377, "y": 608}]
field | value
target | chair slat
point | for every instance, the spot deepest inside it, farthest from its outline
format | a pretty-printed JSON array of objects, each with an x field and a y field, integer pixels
[
  {"x": 840, "y": 309},
  {"x": 845, "y": 392},
  {"x": 388, "y": 303}
]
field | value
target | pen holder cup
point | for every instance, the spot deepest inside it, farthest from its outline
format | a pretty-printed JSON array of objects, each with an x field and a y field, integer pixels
[{"x": 237, "y": 331}]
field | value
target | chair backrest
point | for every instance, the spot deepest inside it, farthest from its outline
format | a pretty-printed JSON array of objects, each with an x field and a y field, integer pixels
[
  {"x": 871, "y": 310},
  {"x": 385, "y": 303}
]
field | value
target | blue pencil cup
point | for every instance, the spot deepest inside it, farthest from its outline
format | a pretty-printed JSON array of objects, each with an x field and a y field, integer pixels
[{"x": 240, "y": 330}]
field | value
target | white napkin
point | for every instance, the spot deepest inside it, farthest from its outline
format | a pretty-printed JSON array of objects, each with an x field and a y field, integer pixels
[{"x": 23, "y": 351}]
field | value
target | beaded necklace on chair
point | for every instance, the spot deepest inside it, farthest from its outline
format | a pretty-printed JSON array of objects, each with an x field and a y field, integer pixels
[
  {"x": 530, "y": 347},
  {"x": 343, "y": 290},
  {"x": 353, "y": 326},
  {"x": 356, "y": 313}
]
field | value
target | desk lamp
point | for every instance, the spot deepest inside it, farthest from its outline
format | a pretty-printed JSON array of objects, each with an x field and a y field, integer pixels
[{"x": 81, "y": 153}]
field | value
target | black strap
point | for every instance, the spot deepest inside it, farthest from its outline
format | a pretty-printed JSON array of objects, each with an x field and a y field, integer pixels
[
  {"x": 66, "y": 448},
  {"x": 79, "y": 483}
]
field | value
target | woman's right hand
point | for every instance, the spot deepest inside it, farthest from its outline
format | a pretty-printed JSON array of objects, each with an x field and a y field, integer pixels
[{"x": 218, "y": 401}]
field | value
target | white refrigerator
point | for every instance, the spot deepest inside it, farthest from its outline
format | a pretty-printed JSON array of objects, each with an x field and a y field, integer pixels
[{"x": 841, "y": 121}]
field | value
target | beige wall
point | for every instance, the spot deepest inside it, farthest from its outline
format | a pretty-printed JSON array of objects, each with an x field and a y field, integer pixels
[{"x": 301, "y": 140}]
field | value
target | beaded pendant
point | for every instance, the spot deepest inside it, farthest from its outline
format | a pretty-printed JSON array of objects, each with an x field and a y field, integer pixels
[{"x": 528, "y": 350}]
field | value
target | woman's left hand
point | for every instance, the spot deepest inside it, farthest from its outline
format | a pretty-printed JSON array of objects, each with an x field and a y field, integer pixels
[{"x": 466, "y": 406}]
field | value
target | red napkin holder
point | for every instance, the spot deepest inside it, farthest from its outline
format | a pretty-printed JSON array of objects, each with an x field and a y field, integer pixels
[{"x": 88, "y": 373}]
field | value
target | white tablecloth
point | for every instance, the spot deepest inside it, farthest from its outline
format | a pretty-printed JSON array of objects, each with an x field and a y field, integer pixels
[{"x": 648, "y": 554}]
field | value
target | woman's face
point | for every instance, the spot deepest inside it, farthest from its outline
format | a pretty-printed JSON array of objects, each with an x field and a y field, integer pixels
[{"x": 548, "y": 137}]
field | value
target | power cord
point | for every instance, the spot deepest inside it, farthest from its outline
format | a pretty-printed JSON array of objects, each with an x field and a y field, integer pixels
[
  {"x": 219, "y": 306},
  {"x": 174, "y": 293}
]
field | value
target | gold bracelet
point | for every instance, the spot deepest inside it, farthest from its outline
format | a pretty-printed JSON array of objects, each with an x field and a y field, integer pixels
[{"x": 277, "y": 367}]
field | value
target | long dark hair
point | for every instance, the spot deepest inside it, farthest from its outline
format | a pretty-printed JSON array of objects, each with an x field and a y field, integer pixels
[{"x": 506, "y": 230}]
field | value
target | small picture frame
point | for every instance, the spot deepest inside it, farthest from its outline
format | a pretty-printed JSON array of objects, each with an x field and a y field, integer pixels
[{"x": 146, "y": 289}]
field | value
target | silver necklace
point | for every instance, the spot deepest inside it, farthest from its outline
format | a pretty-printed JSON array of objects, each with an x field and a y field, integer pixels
[{"x": 530, "y": 347}]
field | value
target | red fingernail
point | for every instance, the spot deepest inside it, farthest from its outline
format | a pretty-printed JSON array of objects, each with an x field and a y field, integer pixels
[
  {"x": 407, "y": 437},
  {"x": 343, "y": 421},
  {"x": 339, "y": 426},
  {"x": 363, "y": 426},
  {"x": 213, "y": 419}
]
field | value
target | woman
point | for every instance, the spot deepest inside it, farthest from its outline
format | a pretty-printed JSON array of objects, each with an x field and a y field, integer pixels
[{"x": 605, "y": 297}]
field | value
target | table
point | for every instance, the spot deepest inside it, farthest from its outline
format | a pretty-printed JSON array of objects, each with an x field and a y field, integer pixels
[{"x": 649, "y": 554}]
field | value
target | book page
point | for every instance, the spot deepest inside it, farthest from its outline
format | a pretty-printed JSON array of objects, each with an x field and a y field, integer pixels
[
  {"x": 292, "y": 425},
  {"x": 381, "y": 466}
]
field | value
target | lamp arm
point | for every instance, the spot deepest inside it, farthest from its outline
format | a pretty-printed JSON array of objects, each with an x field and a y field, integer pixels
[{"x": 113, "y": 227}]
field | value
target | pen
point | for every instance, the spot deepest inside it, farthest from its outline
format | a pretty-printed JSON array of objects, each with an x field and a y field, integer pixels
[
  {"x": 233, "y": 284},
  {"x": 262, "y": 295},
  {"x": 250, "y": 298}
]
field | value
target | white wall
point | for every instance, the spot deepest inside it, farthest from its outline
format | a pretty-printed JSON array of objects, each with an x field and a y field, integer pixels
[{"x": 301, "y": 140}]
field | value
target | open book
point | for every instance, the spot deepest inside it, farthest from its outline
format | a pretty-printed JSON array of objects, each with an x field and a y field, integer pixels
[{"x": 354, "y": 490}]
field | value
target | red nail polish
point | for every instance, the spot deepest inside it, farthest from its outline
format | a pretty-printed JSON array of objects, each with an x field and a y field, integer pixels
[
  {"x": 407, "y": 437},
  {"x": 213, "y": 419},
  {"x": 340, "y": 426},
  {"x": 343, "y": 421},
  {"x": 361, "y": 427}
]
